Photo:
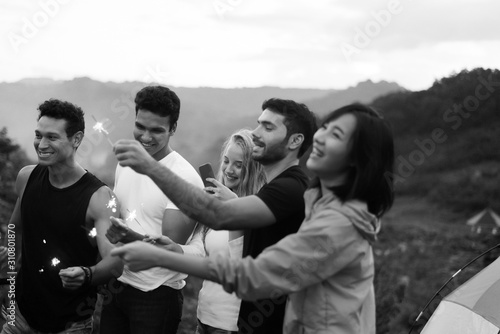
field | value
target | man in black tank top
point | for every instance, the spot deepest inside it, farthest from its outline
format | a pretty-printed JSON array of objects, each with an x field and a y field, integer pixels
[
  {"x": 284, "y": 132},
  {"x": 62, "y": 215}
]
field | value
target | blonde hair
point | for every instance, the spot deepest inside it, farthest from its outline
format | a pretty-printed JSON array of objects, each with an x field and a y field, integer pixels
[
  {"x": 252, "y": 173},
  {"x": 252, "y": 176}
]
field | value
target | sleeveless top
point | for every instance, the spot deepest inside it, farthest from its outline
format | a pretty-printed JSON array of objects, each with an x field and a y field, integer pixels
[{"x": 55, "y": 236}]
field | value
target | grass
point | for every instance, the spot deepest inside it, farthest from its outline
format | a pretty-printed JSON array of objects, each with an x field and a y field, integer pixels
[{"x": 421, "y": 246}]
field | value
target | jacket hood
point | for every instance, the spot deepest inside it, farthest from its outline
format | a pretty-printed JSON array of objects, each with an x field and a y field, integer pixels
[
  {"x": 356, "y": 211},
  {"x": 366, "y": 223}
]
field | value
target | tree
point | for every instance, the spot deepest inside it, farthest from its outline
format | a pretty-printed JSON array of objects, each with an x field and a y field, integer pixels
[
  {"x": 6, "y": 148},
  {"x": 12, "y": 159}
]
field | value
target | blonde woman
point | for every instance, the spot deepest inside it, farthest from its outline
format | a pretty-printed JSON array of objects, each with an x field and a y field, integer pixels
[{"x": 238, "y": 175}]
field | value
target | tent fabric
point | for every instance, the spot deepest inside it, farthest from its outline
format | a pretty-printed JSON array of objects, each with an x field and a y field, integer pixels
[
  {"x": 481, "y": 293},
  {"x": 472, "y": 307},
  {"x": 485, "y": 217},
  {"x": 451, "y": 318}
]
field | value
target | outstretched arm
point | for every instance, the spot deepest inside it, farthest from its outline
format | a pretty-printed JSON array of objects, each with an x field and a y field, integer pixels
[
  {"x": 297, "y": 261},
  {"x": 142, "y": 255},
  {"x": 235, "y": 214}
]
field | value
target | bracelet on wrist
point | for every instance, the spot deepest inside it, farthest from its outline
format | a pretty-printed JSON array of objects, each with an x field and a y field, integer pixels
[{"x": 88, "y": 276}]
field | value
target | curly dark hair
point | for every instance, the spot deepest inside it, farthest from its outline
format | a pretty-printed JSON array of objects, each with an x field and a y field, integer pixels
[
  {"x": 160, "y": 101},
  {"x": 72, "y": 114},
  {"x": 298, "y": 119}
]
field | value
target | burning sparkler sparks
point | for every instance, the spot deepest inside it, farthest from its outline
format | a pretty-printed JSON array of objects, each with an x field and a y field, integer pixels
[
  {"x": 112, "y": 204},
  {"x": 132, "y": 215},
  {"x": 99, "y": 127},
  {"x": 93, "y": 233},
  {"x": 55, "y": 261}
]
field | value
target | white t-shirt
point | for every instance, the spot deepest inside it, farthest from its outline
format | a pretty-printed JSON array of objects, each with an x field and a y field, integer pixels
[
  {"x": 216, "y": 307},
  {"x": 138, "y": 194}
]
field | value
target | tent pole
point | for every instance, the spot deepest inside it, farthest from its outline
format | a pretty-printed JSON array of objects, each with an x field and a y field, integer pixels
[{"x": 448, "y": 281}]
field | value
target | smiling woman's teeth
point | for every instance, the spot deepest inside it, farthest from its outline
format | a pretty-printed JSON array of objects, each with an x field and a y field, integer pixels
[{"x": 316, "y": 152}]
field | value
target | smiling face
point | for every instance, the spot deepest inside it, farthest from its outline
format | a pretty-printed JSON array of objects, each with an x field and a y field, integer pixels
[
  {"x": 153, "y": 132},
  {"x": 329, "y": 159},
  {"x": 232, "y": 165},
  {"x": 51, "y": 142},
  {"x": 270, "y": 138}
]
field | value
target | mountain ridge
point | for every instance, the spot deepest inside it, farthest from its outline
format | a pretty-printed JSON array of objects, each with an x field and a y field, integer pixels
[{"x": 208, "y": 115}]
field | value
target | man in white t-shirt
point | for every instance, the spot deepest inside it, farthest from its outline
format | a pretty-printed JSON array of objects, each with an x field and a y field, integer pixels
[{"x": 150, "y": 301}]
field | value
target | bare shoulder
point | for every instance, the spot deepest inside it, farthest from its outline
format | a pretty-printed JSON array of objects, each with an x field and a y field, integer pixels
[
  {"x": 103, "y": 202},
  {"x": 102, "y": 196},
  {"x": 22, "y": 178}
]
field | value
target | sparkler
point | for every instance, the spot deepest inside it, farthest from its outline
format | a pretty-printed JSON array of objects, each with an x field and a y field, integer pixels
[
  {"x": 55, "y": 261},
  {"x": 93, "y": 233},
  {"x": 132, "y": 215},
  {"x": 99, "y": 127},
  {"x": 112, "y": 204}
]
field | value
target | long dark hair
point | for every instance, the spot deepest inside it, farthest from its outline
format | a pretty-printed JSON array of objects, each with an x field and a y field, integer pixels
[{"x": 370, "y": 178}]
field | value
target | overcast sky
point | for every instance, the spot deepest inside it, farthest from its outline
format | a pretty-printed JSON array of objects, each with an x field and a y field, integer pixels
[{"x": 248, "y": 43}]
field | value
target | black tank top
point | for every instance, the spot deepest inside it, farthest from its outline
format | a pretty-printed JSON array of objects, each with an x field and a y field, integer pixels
[{"x": 55, "y": 236}]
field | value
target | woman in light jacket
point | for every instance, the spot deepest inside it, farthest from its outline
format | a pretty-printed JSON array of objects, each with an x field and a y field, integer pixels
[{"x": 327, "y": 267}]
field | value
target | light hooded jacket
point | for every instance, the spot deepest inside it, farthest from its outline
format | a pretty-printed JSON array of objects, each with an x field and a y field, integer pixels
[{"x": 326, "y": 268}]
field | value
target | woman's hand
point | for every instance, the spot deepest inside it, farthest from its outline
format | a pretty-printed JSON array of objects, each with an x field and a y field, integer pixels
[
  {"x": 139, "y": 255},
  {"x": 163, "y": 242},
  {"x": 220, "y": 191}
]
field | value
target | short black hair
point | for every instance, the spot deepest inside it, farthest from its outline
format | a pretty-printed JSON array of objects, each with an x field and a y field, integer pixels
[
  {"x": 72, "y": 114},
  {"x": 160, "y": 101},
  {"x": 298, "y": 119}
]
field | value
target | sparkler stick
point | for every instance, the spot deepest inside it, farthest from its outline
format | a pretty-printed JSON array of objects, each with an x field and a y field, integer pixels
[
  {"x": 100, "y": 128},
  {"x": 133, "y": 216}
]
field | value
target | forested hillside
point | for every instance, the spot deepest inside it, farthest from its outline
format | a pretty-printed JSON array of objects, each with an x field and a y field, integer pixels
[{"x": 447, "y": 140}]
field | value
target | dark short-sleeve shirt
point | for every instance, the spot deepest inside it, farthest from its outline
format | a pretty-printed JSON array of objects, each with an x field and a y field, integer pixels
[{"x": 284, "y": 197}]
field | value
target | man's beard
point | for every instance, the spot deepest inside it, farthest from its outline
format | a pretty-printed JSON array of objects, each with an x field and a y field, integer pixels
[{"x": 273, "y": 154}]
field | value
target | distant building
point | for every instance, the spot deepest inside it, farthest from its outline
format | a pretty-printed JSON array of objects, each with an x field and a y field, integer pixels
[{"x": 486, "y": 221}]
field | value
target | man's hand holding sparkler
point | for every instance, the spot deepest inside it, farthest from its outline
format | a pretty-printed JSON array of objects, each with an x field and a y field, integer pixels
[
  {"x": 130, "y": 153},
  {"x": 120, "y": 232},
  {"x": 72, "y": 278}
]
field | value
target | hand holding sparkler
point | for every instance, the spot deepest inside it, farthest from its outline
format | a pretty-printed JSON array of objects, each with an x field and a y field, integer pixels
[
  {"x": 131, "y": 153},
  {"x": 120, "y": 232},
  {"x": 72, "y": 278}
]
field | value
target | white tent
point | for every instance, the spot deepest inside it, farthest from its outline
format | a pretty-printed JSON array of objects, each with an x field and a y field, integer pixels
[
  {"x": 484, "y": 221},
  {"x": 472, "y": 308}
]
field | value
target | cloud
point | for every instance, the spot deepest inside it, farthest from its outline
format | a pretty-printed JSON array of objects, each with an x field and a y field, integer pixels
[{"x": 255, "y": 42}]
